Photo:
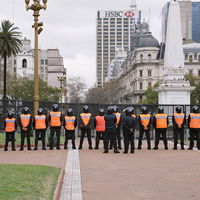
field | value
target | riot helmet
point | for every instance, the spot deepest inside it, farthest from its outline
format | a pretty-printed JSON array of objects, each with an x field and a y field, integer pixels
[
  {"x": 55, "y": 107},
  {"x": 115, "y": 109},
  {"x": 101, "y": 112},
  {"x": 69, "y": 112},
  {"x": 85, "y": 109},
  {"x": 195, "y": 109},
  {"x": 128, "y": 111},
  {"x": 10, "y": 114},
  {"x": 25, "y": 110},
  {"x": 40, "y": 111},
  {"x": 110, "y": 110},
  {"x": 144, "y": 110},
  {"x": 132, "y": 110},
  {"x": 178, "y": 109},
  {"x": 160, "y": 109}
]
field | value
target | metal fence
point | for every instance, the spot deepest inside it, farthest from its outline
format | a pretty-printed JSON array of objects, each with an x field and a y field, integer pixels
[{"x": 17, "y": 105}]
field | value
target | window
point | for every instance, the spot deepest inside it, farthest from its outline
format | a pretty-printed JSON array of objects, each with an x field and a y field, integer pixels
[
  {"x": 42, "y": 62},
  {"x": 140, "y": 73},
  {"x": 191, "y": 72},
  {"x": 141, "y": 86},
  {"x": 15, "y": 62},
  {"x": 149, "y": 58},
  {"x": 149, "y": 73},
  {"x": 149, "y": 84},
  {"x": 141, "y": 58},
  {"x": 190, "y": 58},
  {"x": 198, "y": 72},
  {"x": 15, "y": 70},
  {"x": 140, "y": 97},
  {"x": 199, "y": 58},
  {"x": 24, "y": 63},
  {"x": 41, "y": 69}
]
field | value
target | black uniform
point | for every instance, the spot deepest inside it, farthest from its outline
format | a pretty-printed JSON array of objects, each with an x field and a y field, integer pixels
[
  {"x": 129, "y": 125},
  {"x": 178, "y": 131},
  {"x": 12, "y": 136},
  {"x": 25, "y": 134}
]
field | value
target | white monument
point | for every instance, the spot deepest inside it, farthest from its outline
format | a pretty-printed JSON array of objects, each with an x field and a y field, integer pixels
[{"x": 174, "y": 89}]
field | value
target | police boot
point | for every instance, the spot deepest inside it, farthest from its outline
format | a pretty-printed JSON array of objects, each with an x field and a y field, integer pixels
[
  {"x": 139, "y": 145},
  {"x": 80, "y": 147},
  {"x": 149, "y": 145}
]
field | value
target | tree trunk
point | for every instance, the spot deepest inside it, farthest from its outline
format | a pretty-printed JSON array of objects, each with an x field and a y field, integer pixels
[{"x": 5, "y": 67}]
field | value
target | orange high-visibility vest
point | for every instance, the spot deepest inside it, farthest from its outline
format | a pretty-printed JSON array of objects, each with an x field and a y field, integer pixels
[
  {"x": 179, "y": 118},
  {"x": 69, "y": 122},
  {"x": 133, "y": 116},
  {"x": 100, "y": 123},
  {"x": 145, "y": 119},
  {"x": 194, "y": 120},
  {"x": 40, "y": 122},
  {"x": 118, "y": 116},
  {"x": 55, "y": 118},
  {"x": 161, "y": 120},
  {"x": 25, "y": 120},
  {"x": 10, "y": 125},
  {"x": 85, "y": 118}
]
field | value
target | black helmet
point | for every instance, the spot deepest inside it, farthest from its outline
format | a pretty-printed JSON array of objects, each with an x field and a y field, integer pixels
[
  {"x": 10, "y": 114},
  {"x": 55, "y": 107},
  {"x": 178, "y": 109},
  {"x": 25, "y": 110},
  {"x": 101, "y": 112},
  {"x": 85, "y": 109},
  {"x": 160, "y": 109},
  {"x": 144, "y": 110},
  {"x": 69, "y": 112},
  {"x": 128, "y": 111},
  {"x": 110, "y": 110},
  {"x": 115, "y": 109},
  {"x": 195, "y": 109},
  {"x": 40, "y": 111},
  {"x": 132, "y": 110}
]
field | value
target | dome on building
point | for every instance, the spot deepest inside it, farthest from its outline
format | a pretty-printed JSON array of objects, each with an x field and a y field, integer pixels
[{"x": 147, "y": 40}]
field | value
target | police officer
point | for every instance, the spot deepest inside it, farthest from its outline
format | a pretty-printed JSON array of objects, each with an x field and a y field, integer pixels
[
  {"x": 145, "y": 123},
  {"x": 99, "y": 124},
  {"x": 25, "y": 121},
  {"x": 55, "y": 119},
  {"x": 194, "y": 126},
  {"x": 85, "y": 124},
  {"x": 70, "y": 124},
  {"x": 132, "y": 110},
  {"x": 160, "y": 123},
  {"x": 10, "y": 125},
  {"x": 178, "y": 120},
  {"x": 129, "y": 125},
  {"x": 118, "y": 124},
  {"x": 40, "y": 124},
  {"x": 111, "y": 129}
]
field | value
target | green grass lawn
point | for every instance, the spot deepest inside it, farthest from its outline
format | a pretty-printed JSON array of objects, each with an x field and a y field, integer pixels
[
  {"x": 27, "y": 182},
  {"x": 2, "y": 139}
]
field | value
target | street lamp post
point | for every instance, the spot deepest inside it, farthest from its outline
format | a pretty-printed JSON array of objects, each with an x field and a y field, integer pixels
[
  {"x": 36, "y": 7},
  {"x": 62, "y": 79}
]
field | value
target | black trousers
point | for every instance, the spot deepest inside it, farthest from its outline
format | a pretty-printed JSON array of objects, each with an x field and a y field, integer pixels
[
  {"x": 8, "y": 136},
  {"x": 52, "y": 132},
  {"x": 27, "y": 135},
  {"x": 178, "y": 132},
  {"x": 147, "y": 133},
  {"x": 194, "y": 133},
  {"x": 129, "y": 139},
  {"x": 158, "y": 135},
  {"x": 100, "y": 134},
  {"x": 69, "y": 133},
  {"x": 43, "y": 136},
  {"x": 88, "y": 131},
  {"x": 118, "y": 137},
  {"x": 110, "y": 135}
]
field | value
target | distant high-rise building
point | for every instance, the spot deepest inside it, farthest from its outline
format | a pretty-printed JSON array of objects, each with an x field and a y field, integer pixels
[
  {"x": 114, "y": 31},
  {"x": 190, "y": 20}
]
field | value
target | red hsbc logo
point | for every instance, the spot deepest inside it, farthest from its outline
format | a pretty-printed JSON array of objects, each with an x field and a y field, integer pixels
[{"x": 129, "y": 14}]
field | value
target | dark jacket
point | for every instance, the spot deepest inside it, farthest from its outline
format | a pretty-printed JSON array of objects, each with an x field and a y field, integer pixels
[
  {"x": 46, "y": 123},
  {"x": 154, "y": 124},
  {"x": 75, "y": 123},
  {"x": 29, "y": 125},
  {"x": 141, "y": 125},
  {"x": 192, "y": 129},
  {"x": 83, "y": 125},
  {"x": 55, "y": 127},
  {"x": 175, "y": 125},
  {"x": 110, "y": 122},
  {"x": 15, "y": 123},
  {"x": 129, "y": 122}
]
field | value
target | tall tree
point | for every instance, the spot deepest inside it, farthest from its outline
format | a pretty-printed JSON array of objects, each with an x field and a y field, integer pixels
[{"x": 10, "y": 44}]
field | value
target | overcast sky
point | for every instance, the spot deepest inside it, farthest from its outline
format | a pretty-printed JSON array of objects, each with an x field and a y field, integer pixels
[{"x": 70, "y": 26}]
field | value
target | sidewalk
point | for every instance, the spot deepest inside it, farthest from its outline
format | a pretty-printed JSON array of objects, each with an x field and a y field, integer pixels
[{"x": 145, "y": 175}]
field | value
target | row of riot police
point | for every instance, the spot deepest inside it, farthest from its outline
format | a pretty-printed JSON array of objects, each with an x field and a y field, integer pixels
[{"x": 107, "y": 127}]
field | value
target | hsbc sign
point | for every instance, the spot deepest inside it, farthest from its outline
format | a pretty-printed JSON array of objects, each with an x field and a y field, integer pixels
[{"x": 109, "y": 14}]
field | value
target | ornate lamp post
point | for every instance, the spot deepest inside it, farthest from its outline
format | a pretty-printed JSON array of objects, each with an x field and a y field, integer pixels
[
  {"x": 36, "y": 7},
  {"x": 62, "y": 80}
]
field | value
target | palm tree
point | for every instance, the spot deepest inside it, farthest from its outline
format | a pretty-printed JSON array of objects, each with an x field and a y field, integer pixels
[{"x": 10, "y": 44}]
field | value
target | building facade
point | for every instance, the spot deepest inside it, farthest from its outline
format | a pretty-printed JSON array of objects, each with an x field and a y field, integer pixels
[
  {"x": 190, "y": 20},
  {"x": 113, "y": 30}
]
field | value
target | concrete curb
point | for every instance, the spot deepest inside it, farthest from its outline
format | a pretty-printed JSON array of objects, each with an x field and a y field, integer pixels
[{"x": 59, "y": 185}]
